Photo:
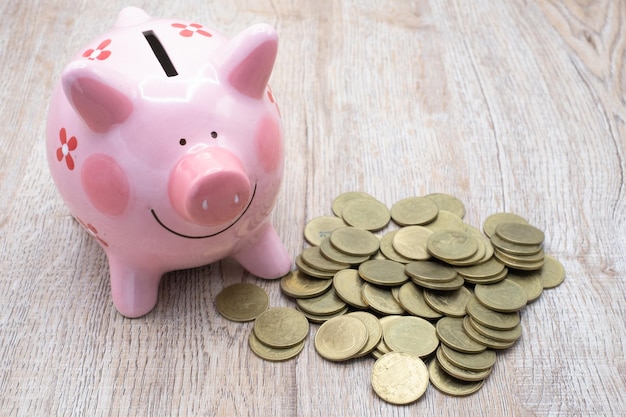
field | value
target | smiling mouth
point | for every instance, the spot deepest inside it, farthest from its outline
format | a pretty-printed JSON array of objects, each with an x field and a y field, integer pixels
[{"x": 205, "y": 236}]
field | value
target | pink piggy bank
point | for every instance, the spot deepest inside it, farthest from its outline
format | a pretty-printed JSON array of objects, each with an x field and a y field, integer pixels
[{"x": 165, "y": 142}]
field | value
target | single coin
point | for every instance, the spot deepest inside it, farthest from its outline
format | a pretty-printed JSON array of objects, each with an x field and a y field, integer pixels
[
  {"x": 341, "y": 200},
  {"x": 449, "y": 303},
  {"x": 273, "y": 354},
  {"x": 504, "y": 296},
  {"x": 340, "y": 338},
  {"x": 483, "y": 340},
  {"x": 281, "y": 327},
  {"x": 491, "y": 222},
  {"x": 327, "y": 303},
  {"x": 410, "y": 242},
  {"x": 313, "y": 272},
  {"x": 313, "y": 257},
  {"x": 374, "y": 331},
  {"x": 446, "y": 221},
  {"x": 522, "y": 234},
  {"x": 333, "y": 254},
  {"x": 354, "y": 241},
  {"x": 460, "y": 373},
  {"x": 411, "y": 299},
  {"x": 321, "y": 227},
  {"x": 487, "y": 269},
  {"x": 380, "y": 299},
  {"x": 552, "y": 273},
  {"x": 366, "y": 213},
  {"x": 453, "y": 285},
  {"x": 470, "y": 361},
  {"x": 412, "y": 335},
  {"x": 452, "y": 245},
  {"x": 349, "y": 287},
  {"x": 514, "y": 248},
  {"x": 399, "y": 378},
  {"x": 490, "y": 318},
  {"x": 387, "y": 249},
  {"x": 451, "y": 333},
  {"x": 383, "y": 272},
  {"x": 449, "y": 203},
  {"x": 448, "y": 384},
  {"x": 414, "y": 211},
  {"x": 530, "y": 283},
  {"x": 487, "y": 280},
  {"x": 242, "y": 302},
  {"x": 430, "y": 271},
  {"x": 321, "y": 318},
  {"x": 476, "y": 258},
  {"x": 503, "y": 336},
  {"x": 297, "y": 284}
]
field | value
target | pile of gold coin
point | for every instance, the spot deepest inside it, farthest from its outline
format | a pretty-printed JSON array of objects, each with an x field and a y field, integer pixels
[{"x": 428, "y": 288}]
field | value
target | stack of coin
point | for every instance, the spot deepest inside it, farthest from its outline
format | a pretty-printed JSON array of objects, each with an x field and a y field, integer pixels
[
  {"x": 516, "y": 243},
  {"x": 279, "y": 333}
]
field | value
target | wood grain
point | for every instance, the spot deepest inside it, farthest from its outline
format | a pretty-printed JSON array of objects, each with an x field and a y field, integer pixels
[{"x": 511, "y": 106}]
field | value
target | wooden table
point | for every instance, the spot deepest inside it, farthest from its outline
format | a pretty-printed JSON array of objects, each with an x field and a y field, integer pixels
[{"x": 513, "y": 106}]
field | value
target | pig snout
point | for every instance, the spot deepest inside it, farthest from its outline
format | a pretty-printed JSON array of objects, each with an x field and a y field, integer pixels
[{"x": 209, "y": 187}]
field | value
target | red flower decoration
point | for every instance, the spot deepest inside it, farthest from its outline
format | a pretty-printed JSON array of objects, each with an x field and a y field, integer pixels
[
  {"x": 98, "y": 53},
  {"x": 188, "y": 30},
  {"x": 66, "y": 147},
  {"x": 93, "y": 231}
]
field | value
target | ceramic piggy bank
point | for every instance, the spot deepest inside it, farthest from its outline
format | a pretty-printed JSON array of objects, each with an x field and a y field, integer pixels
[{"x": 165, "y": 142}]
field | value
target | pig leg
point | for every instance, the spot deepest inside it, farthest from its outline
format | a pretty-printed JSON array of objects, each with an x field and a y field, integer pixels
[
  {"x": 264, "y": 255},
  {"x": 134, "y": 289}
]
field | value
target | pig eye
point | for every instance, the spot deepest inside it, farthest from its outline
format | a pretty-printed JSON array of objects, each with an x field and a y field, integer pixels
[
  {"x": 182, "y": 141},
  {"x": 214, "y": 134}
]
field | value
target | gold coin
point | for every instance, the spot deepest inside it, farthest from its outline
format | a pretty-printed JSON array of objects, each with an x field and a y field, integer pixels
[
  {"x": 366, "y": 213},
  {"x": 313, "y": 257},
  {"x": 383, "y": 272},
  {"x": 503, "y": 336},
  {"x": 430, "y": 271},
  {"x": 281, "y": 327},
  {"x": 476, "y": 258},
  {"x": 452, "y": 245},
  {"x": 522, "y": 234},
  {"x": 330, "y": 252},
  {"x": 385, "y": 322},
  {"x": 410, "y": 242},
  {"x": 374, "y": 331},
  {"x": 490, "y": 318},
  {"x": 522, "y": 259},
  {"x": 412, "y": 335},
  {"x": 483, "y": 340},
  {"x": 552, "y": 274},
  {"x": 399, "y": 378},
  {"x": 340, "y": 338},
  {"x": 273, "y": 354},
  {"x": 388, "y": 251},
  {"x": 487, "y": 280},
  {"x": 449, "y": 303},
  {"x": 322, "y": 305},
  {"x": 491, "y": 222},
  {"x": 414, "y": 211},
  {"x": 461, "y": 373},
  {"x": 470, "y": 361},
  {"x": 321, "y": 227},
  {"x": 518, "y": 263},
  {"x": 449, "y": 203},
  {"x": 380, "y": 299},
  {"x": 450, "y": 385},
  {"x": 308, "y": 270},
  {"x": 411, "y": 299},
  {"x": 297, "y": 284},
  {"x": 354, "y": 241},
  {"x": 341, "y": 200},
  {"x": 530, "y": 283},
  {"x": 505, "y": 296},
  {"x": 451, "y": 333},
  {"x": 242, "y": 302},
  {"x": 321, "y": 318},
  {"x": 514, "y": 248},
  {"x": 349, "y": 287},
  {"x": 453, "y": 285},
  {"x": 485, "y": 270},
  {"x": 446, "y": 221}
]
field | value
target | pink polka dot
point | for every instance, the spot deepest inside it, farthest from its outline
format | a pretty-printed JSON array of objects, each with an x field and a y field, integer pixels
[
  {"x": 106, "y": 184},
  {"x": 269, "y": 144}
]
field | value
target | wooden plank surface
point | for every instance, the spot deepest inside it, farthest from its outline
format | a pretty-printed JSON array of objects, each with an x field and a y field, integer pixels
[{"x": 511, "y": 106}]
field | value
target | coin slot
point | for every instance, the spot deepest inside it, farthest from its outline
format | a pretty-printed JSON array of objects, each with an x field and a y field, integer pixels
[{"x": 160, "y": 53}]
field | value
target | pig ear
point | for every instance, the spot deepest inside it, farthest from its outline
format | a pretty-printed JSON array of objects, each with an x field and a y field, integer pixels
[
  {"x": 249, "y": 59},
  {"x": 96, "y": 94},
  {"x": 130, "y": 16}
]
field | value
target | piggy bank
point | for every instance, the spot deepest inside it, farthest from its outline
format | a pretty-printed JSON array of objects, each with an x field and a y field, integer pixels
[{"x": 165, "y": 142}]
